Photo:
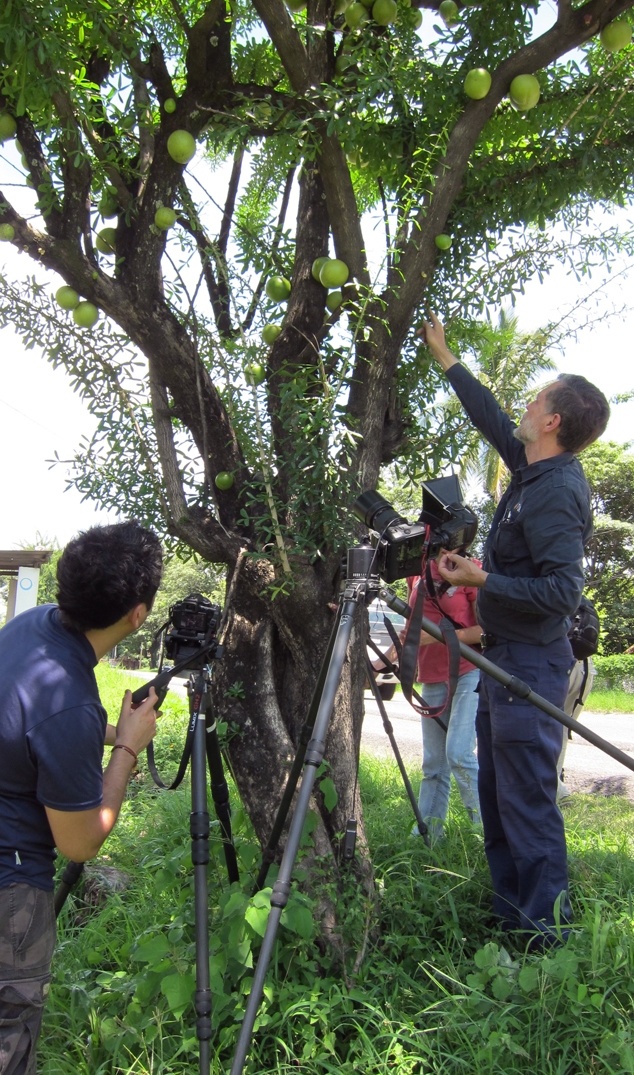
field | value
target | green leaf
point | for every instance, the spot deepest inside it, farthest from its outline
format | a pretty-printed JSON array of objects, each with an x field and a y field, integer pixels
[
  {"x": 257, "y": 918},
  {"x": 298, "y": 918},
  {"x": 152, "y": 951},
  {"x": 487, "y": 956},
  {"x": 178, "y": 989},
  {"x": 502, "y": 988},
  {"x": 528, "y": 978},
  {"x": 235, "y": 905},
  {"x": 329, "y": 792}
]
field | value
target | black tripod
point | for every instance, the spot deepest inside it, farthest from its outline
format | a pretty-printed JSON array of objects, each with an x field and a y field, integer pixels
[
  {"x": 202, "y": 748},
  {"x": 362, "y": 586}
]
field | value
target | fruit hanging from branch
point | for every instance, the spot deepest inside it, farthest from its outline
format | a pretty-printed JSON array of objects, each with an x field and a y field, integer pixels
[
  {"x": 477, "y": 83},
  {"x": 170, "y": 105},
  {"x": 224, "y": 480},
  {"x": 255, "y": 373},
  {"x": 449, "y": 13},
  {"x": 164, "y": 218},
  {"x": 108, "y": 204},
  {"x": 7, "y": 233},
  {"x": 85, "y": 315},
  {"x": 355, "y": 15},
  {"x": 317, "y": 266},
  {"x": 334, "y": 300},
  {"x": 524, "y": 92},
  {"x": 106, "y": 240},
  {"x": 384, "y": 12},
  {"x": 8, "y": 126},
  {"x": 270, "y": 333},
  {"x": 278, "y": 288},
  {"x": 443, "y": 242},
  {"x": 616, "y": 35},
  {"x": 334, "y": 273},
  {"x": 181, "y": 146},
  {"x": 67, "y": 298}
]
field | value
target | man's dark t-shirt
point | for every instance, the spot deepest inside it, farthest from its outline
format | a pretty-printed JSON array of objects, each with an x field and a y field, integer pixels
[{"x": 52, "y": 729}]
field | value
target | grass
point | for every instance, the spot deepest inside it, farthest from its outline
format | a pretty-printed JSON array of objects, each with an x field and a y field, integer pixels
[
  {"x": 599, "y": 701},
  {"x": 438, "y": 991}
]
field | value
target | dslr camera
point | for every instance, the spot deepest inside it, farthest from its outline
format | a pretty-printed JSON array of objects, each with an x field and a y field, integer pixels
[
  {"x": 401, "y": 547},
  {"x": 192, "y": 626}
]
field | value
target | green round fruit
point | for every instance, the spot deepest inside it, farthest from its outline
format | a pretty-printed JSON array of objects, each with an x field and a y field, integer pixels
[
  {"x": 296, "y": 5},
  {"x": 356, "y": 160},
  {"x": 443, "y": 242},
  {"x": 415, "y": 18},
  {"x": 270, "y": 333},
  {"x": 334, "y": 273},
  {"x": 18, "y": 146},
  {"x": 355, "y": 15},
  {"x": 165, "y": 218},
  {"x": 181, "y": 146},
  {"x": 334, "y": 300},
  {"x": 8, "y": 126},
  {"x": 477, "y": 83},
  {"x": 616, "y": 35},
  {"x": 67, "y": 298},
  {"x": 7, "y": 233},
  {"x": 318, "y": 263},
  {"x": 278, "y": 288},
  {"x": 106, "y": 240},
  {"x": 24, "y": 162},
  {"x": 85, "y": 315},
  {"x": 367, "y": 3},
  {"x": 170, "y": 105},
  {"x": 342, "y": 63},
  {"x": 108, "y": 206},
  {"x": 255, "y": 373},
  {"x": 384, "y": 12},
  {"x": 224, "y": 480},
  {"x": 30, "y": 183},
  {"x": 524, "y": 92},
  {"x": 340, "y": 7},
  {"x": 448, "y": 12}
]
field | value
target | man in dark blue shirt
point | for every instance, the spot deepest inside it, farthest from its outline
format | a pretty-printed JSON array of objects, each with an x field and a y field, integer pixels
[
  {"x": 53, "y": 792},
  {"x": 529, "y": 586}
]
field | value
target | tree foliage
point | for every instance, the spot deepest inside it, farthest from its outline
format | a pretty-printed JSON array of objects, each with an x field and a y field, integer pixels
[
  {"x": 307, "y": 134},
  {"x": 609, "y": 468}
]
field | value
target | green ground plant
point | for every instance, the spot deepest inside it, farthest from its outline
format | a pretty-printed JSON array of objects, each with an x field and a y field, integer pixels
[{"x": 435, "y": 988}]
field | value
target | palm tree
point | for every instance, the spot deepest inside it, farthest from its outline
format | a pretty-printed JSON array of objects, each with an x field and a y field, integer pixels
[{"x": 509, "y": 362}]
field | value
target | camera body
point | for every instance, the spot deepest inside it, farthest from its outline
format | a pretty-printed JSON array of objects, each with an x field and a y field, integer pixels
[
  {"x": 193, "y": 623},
  {"x": 444, "y": 523}
]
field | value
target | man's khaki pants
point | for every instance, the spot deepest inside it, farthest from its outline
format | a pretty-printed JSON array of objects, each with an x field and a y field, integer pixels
[{"x": 27, "y": 941}]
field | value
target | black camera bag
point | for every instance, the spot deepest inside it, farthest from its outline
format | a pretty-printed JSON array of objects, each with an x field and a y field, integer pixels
[{"x": 584, "y": 631}]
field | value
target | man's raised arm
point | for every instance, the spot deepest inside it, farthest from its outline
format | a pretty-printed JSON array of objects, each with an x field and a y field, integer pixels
[{"x": 479, "y": 403}]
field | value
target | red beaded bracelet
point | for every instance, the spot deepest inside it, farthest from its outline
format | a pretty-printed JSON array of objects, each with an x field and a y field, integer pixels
[{"x": 122, "y": 746}]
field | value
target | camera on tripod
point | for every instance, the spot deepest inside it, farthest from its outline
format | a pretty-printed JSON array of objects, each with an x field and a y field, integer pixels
[
  {"x": 191, "y": 628},
  {"x": 444, "y": 523}
]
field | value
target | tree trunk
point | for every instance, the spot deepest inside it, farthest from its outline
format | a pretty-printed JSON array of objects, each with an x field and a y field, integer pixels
[{"x": 263, "y": 689}]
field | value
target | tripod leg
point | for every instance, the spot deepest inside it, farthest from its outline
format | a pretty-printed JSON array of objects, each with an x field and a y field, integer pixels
[
  {"x": 199, "y": 828},
  {"x": 422, "y": 828},
  {"x": 220, "y": 791},
  {"x": 268, "y": 855},
  {"x": 70, "y": 877},
  {"x": 282, "y": 887}
]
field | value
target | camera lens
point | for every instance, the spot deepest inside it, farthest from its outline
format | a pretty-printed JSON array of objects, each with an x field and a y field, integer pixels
[{"x": 375, "y": 511}]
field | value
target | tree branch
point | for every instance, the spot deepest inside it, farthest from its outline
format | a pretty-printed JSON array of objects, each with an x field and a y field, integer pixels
[
  {"x": 146, "y": 130},
  {"x": 230, "y": 203},
  {"x": 288, "y": 186}
]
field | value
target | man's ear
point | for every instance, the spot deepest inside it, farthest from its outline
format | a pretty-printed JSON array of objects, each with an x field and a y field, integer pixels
[
  {"x": 553, "y": 423},
  {"x": 137, "y": 616}
]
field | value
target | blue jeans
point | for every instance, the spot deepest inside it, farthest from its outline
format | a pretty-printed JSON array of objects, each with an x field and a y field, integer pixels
[
  {"x": 518, "y": 749},
  {"x": 453, "y": 752}
]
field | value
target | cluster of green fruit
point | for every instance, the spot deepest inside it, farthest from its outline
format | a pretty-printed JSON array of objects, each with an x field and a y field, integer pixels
[
  {"x": 333, "y": 274},
  {"x": 85, "y": 314}
]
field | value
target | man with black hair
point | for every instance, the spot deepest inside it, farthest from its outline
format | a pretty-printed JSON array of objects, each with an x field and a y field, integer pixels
[
  {"x": 53, "y": 791},
  {"x": 529, "y": 587}
]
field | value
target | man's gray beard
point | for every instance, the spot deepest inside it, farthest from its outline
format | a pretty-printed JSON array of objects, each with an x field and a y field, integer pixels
[{"x": 524, "y": 436}]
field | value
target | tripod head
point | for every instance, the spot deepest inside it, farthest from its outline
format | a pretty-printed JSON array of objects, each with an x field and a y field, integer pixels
[{"x": 212, "y": 650}]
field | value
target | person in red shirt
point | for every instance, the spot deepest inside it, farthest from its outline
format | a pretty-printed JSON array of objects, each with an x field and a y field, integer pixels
[{"x": 453, "y": 751}]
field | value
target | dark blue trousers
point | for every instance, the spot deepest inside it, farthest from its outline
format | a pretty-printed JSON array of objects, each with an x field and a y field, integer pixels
[{"x": 518, "y": 748}]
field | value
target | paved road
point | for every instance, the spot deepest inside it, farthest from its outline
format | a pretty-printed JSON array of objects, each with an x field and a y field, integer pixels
[{"x": 587, "y": 769}]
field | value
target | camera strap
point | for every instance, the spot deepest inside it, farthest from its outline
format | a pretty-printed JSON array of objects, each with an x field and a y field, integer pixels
[
  {"x": 182, "y": 768},
  {"x": 409, "y": 659}
]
